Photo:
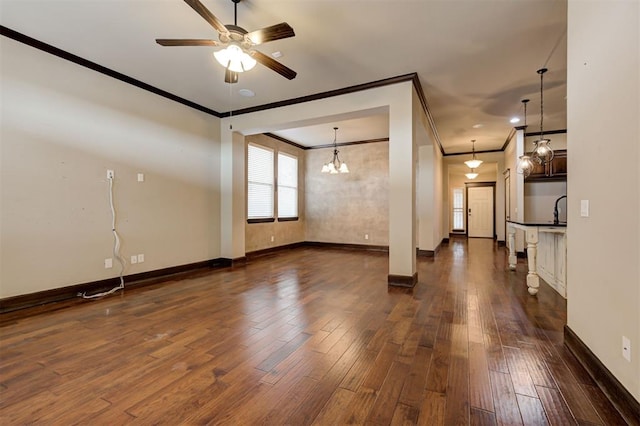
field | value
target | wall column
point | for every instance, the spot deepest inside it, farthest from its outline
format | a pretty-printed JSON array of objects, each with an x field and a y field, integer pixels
[
  {"x": 232, "y": 197},
  {"x": 402, "y": 194}
]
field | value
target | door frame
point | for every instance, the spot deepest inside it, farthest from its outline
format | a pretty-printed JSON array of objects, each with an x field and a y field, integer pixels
[
  {"x": 507, "y": 198},
  {"x": 466, "y": 216}
]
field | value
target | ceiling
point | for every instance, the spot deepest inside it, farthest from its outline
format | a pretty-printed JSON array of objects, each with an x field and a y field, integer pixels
[{"x": 475, "y": 59}]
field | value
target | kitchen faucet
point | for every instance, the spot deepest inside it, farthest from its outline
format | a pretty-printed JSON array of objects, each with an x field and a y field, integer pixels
[{"x": 555, "y": 210}]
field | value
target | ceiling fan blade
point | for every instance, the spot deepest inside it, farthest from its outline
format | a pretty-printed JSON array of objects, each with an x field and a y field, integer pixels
[
  {"x": 230, "y": 76},
  {"x": 281, "y": 69},
  {"x": 185, "y": 42},
  {"x": 208, "y": 16},
  {"x": 274, "y": 32}
]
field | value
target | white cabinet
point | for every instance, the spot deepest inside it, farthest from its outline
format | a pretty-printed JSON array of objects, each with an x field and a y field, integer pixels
[
  {"x": 546, "y": 254},
  {"x": 552, "y": 254}
]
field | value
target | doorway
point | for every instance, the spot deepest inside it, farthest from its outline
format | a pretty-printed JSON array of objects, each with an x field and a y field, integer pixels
[{"x": 480, "y": 210}]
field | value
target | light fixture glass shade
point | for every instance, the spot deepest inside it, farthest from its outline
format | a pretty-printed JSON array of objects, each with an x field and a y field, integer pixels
[
  {"x": 543, "y": 149},
  {"x": 325, "y": 168},
  {"x": 343, "y": 168},
  {"x": 525, "y": 165},
  {"x": 234, "y": 58},
  {"x": 471, "y": 175},
  {"x": 473, "y": 164}
]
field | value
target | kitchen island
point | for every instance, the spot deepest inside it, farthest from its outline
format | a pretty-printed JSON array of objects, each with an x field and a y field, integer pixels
[{"x": 549, "y": 240}]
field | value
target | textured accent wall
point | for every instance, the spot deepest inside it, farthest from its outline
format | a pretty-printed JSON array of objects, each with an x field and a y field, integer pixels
[
  {"x": 342, "y": 208},
  {"x": 258, "y": 235}
]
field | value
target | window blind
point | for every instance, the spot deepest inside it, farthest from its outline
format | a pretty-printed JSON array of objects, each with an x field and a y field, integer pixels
[
  {"x": 458, "y": 209},
  {"x": 287, "y": 186},
  {"x": 259, "y": 182}
]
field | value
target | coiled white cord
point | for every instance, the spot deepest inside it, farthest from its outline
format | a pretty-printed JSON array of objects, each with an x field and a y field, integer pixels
[{"x": 116, "y": 250}]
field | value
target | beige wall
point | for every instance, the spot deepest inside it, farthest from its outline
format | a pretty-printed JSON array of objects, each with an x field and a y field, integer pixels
[
  {"x": 342, "y": 208},
  {"x": 603, "y": 106},
  {"x": 258, "y": 236},
  {"x": 62, "y": 127},
  {"x": 540, "y": 198}
]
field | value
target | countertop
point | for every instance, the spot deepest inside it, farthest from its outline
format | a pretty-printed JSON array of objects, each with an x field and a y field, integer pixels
[{"x": 539, "y": 223}]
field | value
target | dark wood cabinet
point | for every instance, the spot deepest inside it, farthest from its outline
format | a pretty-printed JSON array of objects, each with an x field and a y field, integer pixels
[{"x": 555, "y": 169}]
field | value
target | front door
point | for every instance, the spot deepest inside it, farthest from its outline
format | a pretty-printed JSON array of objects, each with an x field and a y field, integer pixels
[{"x": 480, "y": 211}]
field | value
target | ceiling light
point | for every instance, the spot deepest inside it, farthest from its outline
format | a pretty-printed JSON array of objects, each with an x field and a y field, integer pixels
[
  {"x": 477, "y": 126},
  {"x": 234, "y": 58},
  {"x": 277, "y": 54},
  {"x": 473, "y": 163},
  {"x": 335, "y": 166},
  {"x": 514, "y": 120},
  {"x": 246, "y": 93},
  {"x": 471, "y": 175}
]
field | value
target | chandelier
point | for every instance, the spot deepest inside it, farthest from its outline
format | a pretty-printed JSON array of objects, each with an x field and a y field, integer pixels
[
  {"x": 542, "y": 152},
  {"x": 335, "y": 166},
  {"x": 473, "y": 163}
]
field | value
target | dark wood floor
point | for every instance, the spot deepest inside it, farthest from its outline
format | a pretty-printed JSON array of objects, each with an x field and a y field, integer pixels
[{"x": 307, "y": 336}]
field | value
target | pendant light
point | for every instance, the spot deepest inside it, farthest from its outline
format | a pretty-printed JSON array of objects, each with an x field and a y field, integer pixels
[
  {"x": 473, "y": 163},
  {"x": 472, "y": 174},
  {"x": 525, "y": 164},
  {"x": 542, "y": 146},
  {"x": 335, "y": 166}
]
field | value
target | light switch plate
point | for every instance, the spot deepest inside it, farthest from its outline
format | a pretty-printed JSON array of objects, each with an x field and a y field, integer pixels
[
  {"x": 584, "y": 208},
  {"x": 134, "y": 259}
]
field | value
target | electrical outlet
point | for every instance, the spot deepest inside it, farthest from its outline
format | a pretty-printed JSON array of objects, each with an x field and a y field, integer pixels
[
  {"x": 134, "y": 259},
  {"x": 366, "y": 236},
  {"x": 110, "y": 174},
  {"x": 273, "y": 238},
  {"x": 140, "y": 177},
  {"x": 108, "y": 263},
  {"x": 140, "y": 258},
  {"x": 626, "y": 348}
]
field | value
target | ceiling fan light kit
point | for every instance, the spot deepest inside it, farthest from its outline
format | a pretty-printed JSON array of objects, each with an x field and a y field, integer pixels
[
  {"x": 237, "y": 54},
  {"x": 235, "y": 59}
]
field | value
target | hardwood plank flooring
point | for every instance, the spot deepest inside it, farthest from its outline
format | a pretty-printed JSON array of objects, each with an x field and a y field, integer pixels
[{"x": 301, "y": 337}]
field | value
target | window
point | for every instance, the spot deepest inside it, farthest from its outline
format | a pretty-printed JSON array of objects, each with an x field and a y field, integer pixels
[
  {"x": 259, "y": 183},
  {"x": 287, "y": 186},
  {"x": 458, "y": 209}
]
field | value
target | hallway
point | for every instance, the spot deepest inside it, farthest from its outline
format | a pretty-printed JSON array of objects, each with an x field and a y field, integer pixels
[{"x": 306, "y": 336}]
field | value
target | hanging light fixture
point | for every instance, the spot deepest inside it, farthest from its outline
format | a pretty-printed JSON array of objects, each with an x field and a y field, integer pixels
[
  {"x": 542, "y": 151},
  {"x": 525, "y": 163},
  {"x": 472, "y": 174},
  {"x": 473, "y": 163},
  {"x": 542, "y": 146},
  {"x": 335, "y": 165}
]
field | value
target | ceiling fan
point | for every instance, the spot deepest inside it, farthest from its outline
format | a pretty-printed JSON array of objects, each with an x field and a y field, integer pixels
[{"x": 238, "y": 55}]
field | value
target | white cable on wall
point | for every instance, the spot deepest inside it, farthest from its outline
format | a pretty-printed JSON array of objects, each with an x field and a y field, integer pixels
[{"x": 116, "y": 250}]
